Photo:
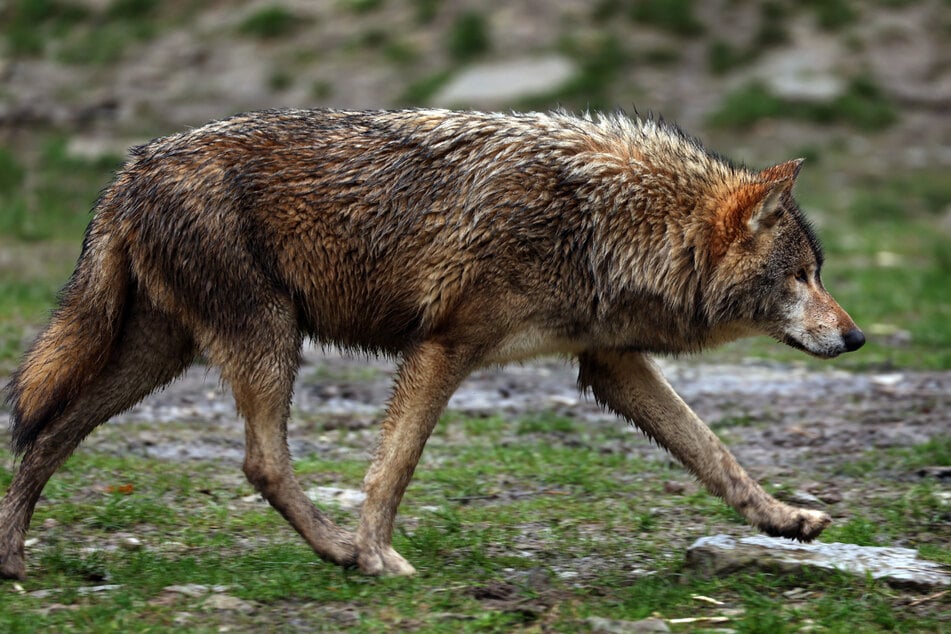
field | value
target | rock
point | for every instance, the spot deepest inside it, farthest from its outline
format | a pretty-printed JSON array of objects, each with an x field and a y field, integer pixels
[
  {"x": 803, "y": 498},
  {"x": 810, "y": 75},
  {"x": 174, "y": 547},
  {"x": 722, "y": 554},
  {"x": 347, "y": 499},
  {"x": 193, "y": 590},
  {"x": 939, "y": 473},
  {"x": 87, "y": 590},
  {"x": 503, "y": 82},
  {"x": 673, "y": 487},
  {"x": 228, "y": 603},
  {"x": 610, "y": 626},
  {"x": 130, "y": 543}
]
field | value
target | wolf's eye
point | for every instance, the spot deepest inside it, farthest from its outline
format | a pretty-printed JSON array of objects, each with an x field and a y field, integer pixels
[{"x": 802, "y": 276}]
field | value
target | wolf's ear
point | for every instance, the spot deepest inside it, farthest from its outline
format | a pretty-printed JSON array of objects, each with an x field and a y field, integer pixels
[
  {"x": 769, "y": 209},
  {"x": 784, "y": 171},
  {"x": 776, "y": 180}
]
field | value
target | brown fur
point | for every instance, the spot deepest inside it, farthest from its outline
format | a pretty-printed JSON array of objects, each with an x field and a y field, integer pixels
[{"x": 449, "y": 240}]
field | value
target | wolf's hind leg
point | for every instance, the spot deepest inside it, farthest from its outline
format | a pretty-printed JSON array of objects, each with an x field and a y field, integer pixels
[
  {"x": 632, "y": 385},
  {"x": 151, "y": 351},
  {"x": 262, "y": 379}
]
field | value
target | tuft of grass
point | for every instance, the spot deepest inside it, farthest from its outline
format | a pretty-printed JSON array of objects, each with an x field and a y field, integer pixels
[
  {"x": 364, "y": 6},
  {"x": 419, "y": 92},
  {"x": 469, "y": 37},
  {"x": 674, "y": 16},
  {"x": 722, "y": 57},
  {"x": 31, "y": 24},
  {"x": 269, "y": 23},
  {"x": 863, "y": 105},
  {"x": 859, "y": 530},
  {"x": 132, "y": 9},
  {"x": 426, "y": 10},
  {"x": 56, "y": 202},
  {"x": 833, "y": 15},
  {"x": 772, "y": 30},
  {"x": 11, "y": 173}
]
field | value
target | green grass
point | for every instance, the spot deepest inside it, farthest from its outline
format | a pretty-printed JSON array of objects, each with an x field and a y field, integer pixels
[
  {"x": 270, "y": 23},
  {"x": 862, "y": 105},
  {"x": 29, "y": 25},
  {"x": 675, "y": 16},
  {"x": 469, "y": 37},
  {"x": 506, "y": 535},
  {"x": 55, "y": 203}
]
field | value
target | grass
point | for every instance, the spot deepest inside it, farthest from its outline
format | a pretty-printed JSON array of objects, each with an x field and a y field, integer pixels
[
  {"x": 862, "y": 105},
  {"x": 469, "y": 37},
  {"x": 270, "y": 23},
  {"x": 29, "y": 24},
  {"x": 528, "y": 535},
  {"x": 675, "y": 16}
]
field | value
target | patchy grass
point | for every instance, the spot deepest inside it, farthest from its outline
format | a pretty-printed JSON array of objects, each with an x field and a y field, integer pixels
[
  {"x": 469, "y": 37},
  {"x": 862, "y": 105},
  {"x": 270, "y": 23},
  {"x": 510, "y": 526}
]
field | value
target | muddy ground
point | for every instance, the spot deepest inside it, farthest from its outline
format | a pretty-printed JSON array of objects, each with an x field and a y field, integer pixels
[
  {"x": 773, "y": 416},
  {"x": 786, "y": 424}
]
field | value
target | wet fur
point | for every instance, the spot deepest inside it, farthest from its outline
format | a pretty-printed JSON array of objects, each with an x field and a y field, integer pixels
[{"x": 447, "y": 240}]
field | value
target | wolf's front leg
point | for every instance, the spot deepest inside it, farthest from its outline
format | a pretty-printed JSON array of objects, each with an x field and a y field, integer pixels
[
  {"x": 632, "y": 385},
  {"x": 427, "y": 378}
]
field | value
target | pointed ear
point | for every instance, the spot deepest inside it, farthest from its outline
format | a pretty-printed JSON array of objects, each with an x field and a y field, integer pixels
[
  {"x": 777, "y": 180},
  {"x": 784, "y": 171},
  {"x": 767, "y": 211}
]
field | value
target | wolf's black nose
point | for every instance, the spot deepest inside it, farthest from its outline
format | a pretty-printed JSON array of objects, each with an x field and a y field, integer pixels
[{"x": 854, "y": 339}]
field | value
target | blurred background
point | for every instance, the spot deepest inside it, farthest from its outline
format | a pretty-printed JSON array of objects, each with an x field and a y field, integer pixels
[{"x": 862, "y": 90}]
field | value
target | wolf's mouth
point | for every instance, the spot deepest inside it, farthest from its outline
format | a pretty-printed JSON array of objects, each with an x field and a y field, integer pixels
[{"x": 792, "y": 342}]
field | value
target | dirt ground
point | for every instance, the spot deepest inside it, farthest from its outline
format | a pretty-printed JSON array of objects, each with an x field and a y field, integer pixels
[
  {"x": 779, "y": 420},
  {"x": 786, "y": 424},
  {"x": 773, "y": 416}
]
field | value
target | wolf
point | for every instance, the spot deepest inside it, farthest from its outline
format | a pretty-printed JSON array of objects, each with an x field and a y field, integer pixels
[{"x": 447, "y": 240}]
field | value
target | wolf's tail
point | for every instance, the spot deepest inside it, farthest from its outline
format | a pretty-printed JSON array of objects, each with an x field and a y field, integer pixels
[{"x": 76, "y": 345}]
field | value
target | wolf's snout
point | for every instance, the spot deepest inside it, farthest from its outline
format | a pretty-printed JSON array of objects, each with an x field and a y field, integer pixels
[{"x": 854, "y": 339}]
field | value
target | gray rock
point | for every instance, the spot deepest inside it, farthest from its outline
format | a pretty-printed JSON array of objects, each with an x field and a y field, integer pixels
[
  {"x": 722, "y": 554},
  {"x": 347, "y": 499},
  {"x": 228, "y": 603},
  {"x": 500, "y": 83},
  {"x": 193, "y": 590},
  {"x": 610, "y": 626}
]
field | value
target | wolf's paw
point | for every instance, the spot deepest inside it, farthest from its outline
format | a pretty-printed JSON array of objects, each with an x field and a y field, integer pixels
[
  {"x": 799, "y": 524},
  {"x": 383, "y": 562},
  {"x": 12, "y": 564}
]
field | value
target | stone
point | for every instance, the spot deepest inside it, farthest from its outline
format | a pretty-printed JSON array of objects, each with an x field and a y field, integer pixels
[
  {"x": 611, "y": 626},
  {"x": 346, "y": 499},
  {"x": 131, "y": 544},
  {"x": 193, "y": 590},
  {"x": 721, "y": 554},
  {"x": 496, "y": 84},
  {"x": 228, "y": 603}
]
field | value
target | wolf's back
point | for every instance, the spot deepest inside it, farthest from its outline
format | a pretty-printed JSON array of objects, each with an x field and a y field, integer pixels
[{"x": 77, "y": 343}]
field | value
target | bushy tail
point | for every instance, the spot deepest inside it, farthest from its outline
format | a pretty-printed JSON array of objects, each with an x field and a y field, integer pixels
[{"x": 76, "y": 345}]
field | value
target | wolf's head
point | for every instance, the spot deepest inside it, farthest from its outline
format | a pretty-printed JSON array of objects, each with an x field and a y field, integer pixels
[{"x": 766, "y": 263}]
